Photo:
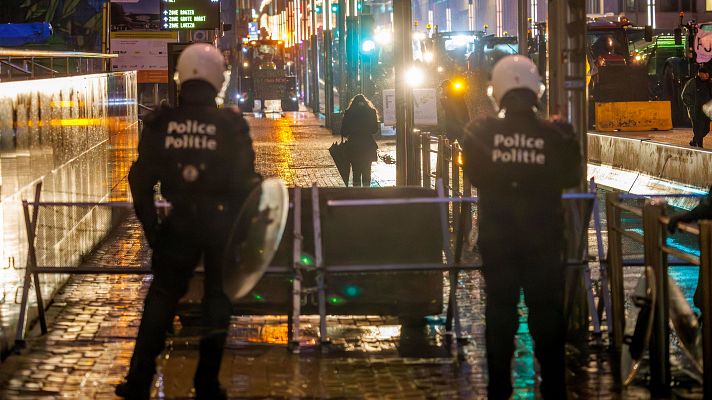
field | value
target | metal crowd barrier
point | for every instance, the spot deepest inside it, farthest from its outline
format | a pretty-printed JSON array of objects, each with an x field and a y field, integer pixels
[
  {"x": 656, "y": 252},
  {"x": 451, "y": 263},
  {"x": 31, "y": 64}
]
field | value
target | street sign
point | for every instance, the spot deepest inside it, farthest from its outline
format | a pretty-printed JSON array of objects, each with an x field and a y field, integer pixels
[
  {"x": 425, "y": 107},
  {"x": 425, "y": 104},
  {"x": 389, "y": 107},
  {"x": 253, "y": 30},
  {"x": 190, "y": 14}
]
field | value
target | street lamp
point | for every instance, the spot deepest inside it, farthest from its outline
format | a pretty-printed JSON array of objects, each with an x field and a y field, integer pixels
[
  {"x": 414, "y": 76},
  {"x": 367, "y": 46}
]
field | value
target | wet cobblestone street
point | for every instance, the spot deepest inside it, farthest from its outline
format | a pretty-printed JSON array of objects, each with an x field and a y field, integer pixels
[{"x": 93, "y": 321}]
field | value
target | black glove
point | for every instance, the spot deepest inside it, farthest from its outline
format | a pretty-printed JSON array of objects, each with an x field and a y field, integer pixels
[{"x": 672, "y": 224}]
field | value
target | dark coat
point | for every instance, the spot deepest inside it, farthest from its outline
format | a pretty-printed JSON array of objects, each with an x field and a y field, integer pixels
[
  {"x": 358, "y": 127},
  {"x": 456, "y": 116},
  {"x": 694, "y": 95}
]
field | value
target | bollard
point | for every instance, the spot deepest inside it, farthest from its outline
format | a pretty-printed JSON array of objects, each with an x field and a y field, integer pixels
[
  {"x": 455, "y": 169},
  {"x": 615, "y": 273},
  {"x": 425, "y": 156},
  {"x": 654, "y": 235},
  {"x": 439, "y": 159},
  {"x": 705, "y": 265},
  {"x": 418, "y": 139},
  {"x": 447, "y": 185},
  {"x": 468, "y": 209}
]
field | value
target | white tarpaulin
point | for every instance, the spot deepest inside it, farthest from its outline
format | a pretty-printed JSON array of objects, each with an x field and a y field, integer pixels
[
  {"x": 425, "y": 107},
  {"x": 703, "y": 46}
]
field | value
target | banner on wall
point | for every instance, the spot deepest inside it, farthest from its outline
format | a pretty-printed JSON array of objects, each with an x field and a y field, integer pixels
[
  {"x": 137, "y": 40},
  {"x": 145, "y": 52}
]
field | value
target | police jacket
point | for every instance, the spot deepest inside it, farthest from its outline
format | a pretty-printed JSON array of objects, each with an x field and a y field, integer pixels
[
  {"x": 201, "y": 155},
  {"x": 520, "y": 164}
]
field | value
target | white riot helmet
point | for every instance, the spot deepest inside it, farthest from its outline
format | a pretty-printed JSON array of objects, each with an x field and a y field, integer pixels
[
  {"x": 514, "y": 72},
  {"x": 204, "y": 62}
]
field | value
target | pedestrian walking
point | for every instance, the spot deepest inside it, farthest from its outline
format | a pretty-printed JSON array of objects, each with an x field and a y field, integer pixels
[
  {"x": 702, "y": 211},
  {"x": 520, "y": 164},
  {"x": 454, "y": 108},
  {"x": 696, "y": 93},
  {"x": 204, "y": 159},
  {"x": 359, "y": 125}
]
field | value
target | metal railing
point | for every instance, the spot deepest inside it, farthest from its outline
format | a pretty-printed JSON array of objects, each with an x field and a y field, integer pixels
[
  {"x": 656, "y": 253},
  {"x": 18, "y": 64}
]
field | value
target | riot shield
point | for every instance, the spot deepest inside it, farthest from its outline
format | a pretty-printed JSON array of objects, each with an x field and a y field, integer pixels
[{"x": 255, "y": 237}]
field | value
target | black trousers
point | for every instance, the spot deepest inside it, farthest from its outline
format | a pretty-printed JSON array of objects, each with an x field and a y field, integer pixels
[
  {"x": 536, "y": 266},
  {"x": 700, "y": 129},
  {"x": 361, "y": 173},
  {"x": 182, "y": 241}
]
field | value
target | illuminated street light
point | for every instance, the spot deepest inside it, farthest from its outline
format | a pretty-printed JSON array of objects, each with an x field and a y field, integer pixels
[
  {"x": 368, "y": 46},
  {"x": 383, "y": 37},
  {"x": 460, "y": 40},
  {"x": 428, "y": 57},
  {"x": 414, "y": 76}
]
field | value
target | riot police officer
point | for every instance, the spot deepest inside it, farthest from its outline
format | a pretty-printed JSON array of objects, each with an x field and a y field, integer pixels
[
  {"x": 203, "y": 158},
  {"x": 520, "y": 164}
]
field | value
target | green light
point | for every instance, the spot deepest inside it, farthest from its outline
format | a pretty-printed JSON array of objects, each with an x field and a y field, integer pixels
[
  {"x": 258, "y": 296},
  {"x": 317, "y": 8},
  {"x": 358, "y": 6},
  {"x": 306, "y": 260},
  {"x": 352, "y": 290},
  {"x": 336, "y": 300},
  {"x": 334, "y": 7}
]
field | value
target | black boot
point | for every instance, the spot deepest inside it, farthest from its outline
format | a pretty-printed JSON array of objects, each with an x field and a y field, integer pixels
[
  {"x": 213, "y": 392},
  {"x": 132, "y": 391}
]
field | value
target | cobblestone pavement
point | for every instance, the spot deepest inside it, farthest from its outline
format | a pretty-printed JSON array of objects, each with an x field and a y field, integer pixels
[{"x": 94, "y": 319}]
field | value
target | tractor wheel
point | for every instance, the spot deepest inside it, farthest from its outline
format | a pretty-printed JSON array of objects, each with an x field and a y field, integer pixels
[{"x": 671, "y": 91}]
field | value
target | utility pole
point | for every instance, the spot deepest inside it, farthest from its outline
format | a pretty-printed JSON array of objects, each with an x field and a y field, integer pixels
[
  {"x": 402, "y": 21},
  {"x": 522, "y": 26},
  {"x": 314, "y": 60},
  {"x": 328, "y": 67},
  {"x": 341, "y": 26},
  {"x": 567, "y": 98}
]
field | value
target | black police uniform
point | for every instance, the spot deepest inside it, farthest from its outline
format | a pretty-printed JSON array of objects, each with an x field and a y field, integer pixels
[
  {"x": 203, "y": 158},
  {"x": 695, "y": 94},
  {"x": 520, "y": 164},
  {"x": 701, "y": 211}
]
